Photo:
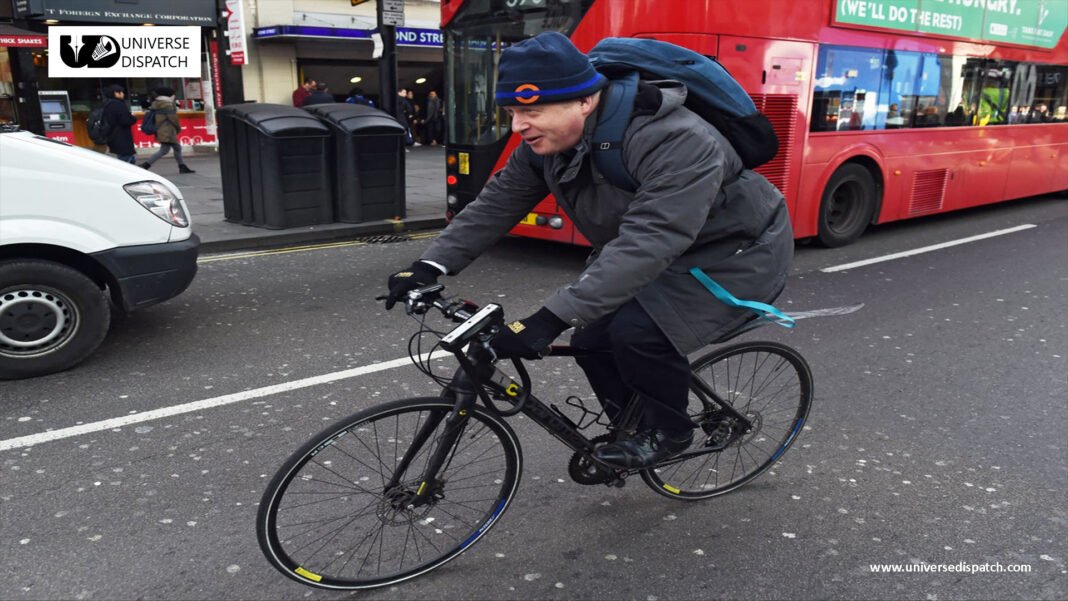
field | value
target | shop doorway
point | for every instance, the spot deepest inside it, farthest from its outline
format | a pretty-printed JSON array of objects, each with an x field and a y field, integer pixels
[{"x": 341, "y": 77}]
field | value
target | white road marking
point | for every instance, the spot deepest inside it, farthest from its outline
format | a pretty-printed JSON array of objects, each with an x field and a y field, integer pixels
[
  {"x": 237, "y": 397},
  {"x": 927, "y": 249}
]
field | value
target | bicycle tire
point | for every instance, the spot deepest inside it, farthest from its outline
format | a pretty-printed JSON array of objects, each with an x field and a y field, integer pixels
[
  {"x": 318, "y": 497},
  {"x": 751, "y": 376}
]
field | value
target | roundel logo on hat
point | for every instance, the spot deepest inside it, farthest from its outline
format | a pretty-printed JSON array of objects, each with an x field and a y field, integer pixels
[
  {"x": 92, "y": 51},
  {"x": 526, "y": 93}
]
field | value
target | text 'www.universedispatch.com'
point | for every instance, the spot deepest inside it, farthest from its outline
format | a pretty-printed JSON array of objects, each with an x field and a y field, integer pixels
[{"x": 958, "y": 568}]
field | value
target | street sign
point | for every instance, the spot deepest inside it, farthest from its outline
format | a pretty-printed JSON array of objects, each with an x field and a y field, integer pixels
[{"x": 393, "y": 12}]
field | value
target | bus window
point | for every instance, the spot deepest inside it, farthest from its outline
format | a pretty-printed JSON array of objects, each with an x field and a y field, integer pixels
[
  {"x": 472, "y": 48},
  {"x": 868, "y": 88},
  {"x": 1050, "y": 102},
  {"x": 995, "y": 94},
  {"x": 847, "y": 90}
]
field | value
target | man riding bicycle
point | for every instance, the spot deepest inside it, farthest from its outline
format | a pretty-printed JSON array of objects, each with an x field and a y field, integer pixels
[{"x": 695, "y": 206}]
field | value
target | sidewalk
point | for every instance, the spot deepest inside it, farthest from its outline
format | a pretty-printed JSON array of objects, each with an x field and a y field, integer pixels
[{"x": 425, "y": 199}]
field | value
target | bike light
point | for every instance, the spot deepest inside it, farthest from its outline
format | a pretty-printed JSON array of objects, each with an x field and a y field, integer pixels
[
  {"x": 452, "y": 199},
  {"x": 556, "y": 222},
  {"x": 158, "y": 199},
  {"x": 451, "y": 180}
]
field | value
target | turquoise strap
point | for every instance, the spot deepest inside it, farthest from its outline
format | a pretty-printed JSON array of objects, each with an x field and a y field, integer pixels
[{"x": 763, "y": 310}]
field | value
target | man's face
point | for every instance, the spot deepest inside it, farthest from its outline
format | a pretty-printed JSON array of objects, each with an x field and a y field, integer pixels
[
  {"x": 552, "y": 128},
  {"x": 309, "y": 86}
]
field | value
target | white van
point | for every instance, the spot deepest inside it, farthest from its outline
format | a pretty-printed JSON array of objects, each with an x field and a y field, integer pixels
[{"x": 78, "y": 228}]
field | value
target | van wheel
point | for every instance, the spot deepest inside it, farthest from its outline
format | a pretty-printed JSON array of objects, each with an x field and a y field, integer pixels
[
  {"x": 51, "y": 318},
  {"x": 847, "y": 206}
]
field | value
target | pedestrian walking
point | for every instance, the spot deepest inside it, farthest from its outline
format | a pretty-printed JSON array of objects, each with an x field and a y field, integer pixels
[
  {"x": 162, "y": 120},
  {"x": 118, "y": 120},
  {"x": 435, "y": 119},
  {"x": 405, "y": 113}
]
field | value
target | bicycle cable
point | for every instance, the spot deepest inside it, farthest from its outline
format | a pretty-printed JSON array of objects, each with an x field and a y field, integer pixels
[{"x": 423, "y": 362}]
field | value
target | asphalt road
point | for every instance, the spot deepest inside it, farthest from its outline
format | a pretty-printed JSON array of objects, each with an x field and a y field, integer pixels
[{"x": 936, "y": 436}]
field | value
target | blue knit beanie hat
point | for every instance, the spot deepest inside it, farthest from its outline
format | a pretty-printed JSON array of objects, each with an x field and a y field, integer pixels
[{"x": 543, "y": 69}]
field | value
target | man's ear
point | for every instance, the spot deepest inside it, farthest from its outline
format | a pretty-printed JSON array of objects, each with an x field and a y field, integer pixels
[{"x": 589, "y": 104}]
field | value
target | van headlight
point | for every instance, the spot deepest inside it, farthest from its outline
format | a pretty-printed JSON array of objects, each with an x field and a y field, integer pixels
[{"x": 158, "y": 199}]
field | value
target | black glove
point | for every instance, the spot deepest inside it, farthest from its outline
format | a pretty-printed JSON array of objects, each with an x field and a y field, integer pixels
[
  {"x": 528, "y": 337},
  {"x": 420, "y": 274}
]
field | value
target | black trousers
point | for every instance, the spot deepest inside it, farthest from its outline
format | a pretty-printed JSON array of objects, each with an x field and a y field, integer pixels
[{"x": 642, "y": 360}]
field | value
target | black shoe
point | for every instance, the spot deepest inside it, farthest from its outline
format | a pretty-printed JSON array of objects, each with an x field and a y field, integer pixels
[
  {"x": 184, "y": 169},
  {"x": 644, "y": 449},
  {"x": 146, "y": 165}
]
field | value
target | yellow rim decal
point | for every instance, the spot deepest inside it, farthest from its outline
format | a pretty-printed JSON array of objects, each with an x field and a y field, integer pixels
[
  {"x": 671, "y": 489},
  {"x": 308, "y": 575},
  {"x": 512, "y": 390}
]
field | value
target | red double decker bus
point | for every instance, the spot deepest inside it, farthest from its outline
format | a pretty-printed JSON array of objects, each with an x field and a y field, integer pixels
[{"x": 885, "y": 109}]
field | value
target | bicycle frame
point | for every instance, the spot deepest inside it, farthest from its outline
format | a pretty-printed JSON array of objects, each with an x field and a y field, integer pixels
[{"x": 468, "y": 385}]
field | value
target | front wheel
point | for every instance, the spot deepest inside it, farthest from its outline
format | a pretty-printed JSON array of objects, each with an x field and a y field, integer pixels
[
  {"x": 51, "y": 317},
  {"x": 767, "y": 382},
  {"x": 331, "y": 519}
]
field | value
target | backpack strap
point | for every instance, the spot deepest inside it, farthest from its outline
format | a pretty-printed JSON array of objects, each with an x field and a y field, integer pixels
[{"x": 611, "y": 126}]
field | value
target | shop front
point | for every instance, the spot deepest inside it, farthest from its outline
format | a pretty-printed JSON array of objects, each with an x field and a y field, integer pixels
[
  {"x": 194, "y": 96},
  {"x": 12, "y": 40}
]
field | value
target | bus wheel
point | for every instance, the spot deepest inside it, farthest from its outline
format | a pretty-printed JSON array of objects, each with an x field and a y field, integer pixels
[{"x": 847, "y": 205}]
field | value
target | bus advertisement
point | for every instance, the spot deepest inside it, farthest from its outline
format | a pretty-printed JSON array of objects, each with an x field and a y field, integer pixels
[{"x": 884, "y": 109}]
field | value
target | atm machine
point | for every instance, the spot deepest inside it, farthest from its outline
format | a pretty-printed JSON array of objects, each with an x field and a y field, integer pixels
[{"x": 55, "y": 110}]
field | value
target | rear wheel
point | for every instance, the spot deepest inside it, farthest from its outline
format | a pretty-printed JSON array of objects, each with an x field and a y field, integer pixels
[
  {"x": 330, "y": 519},
  {"x": 51, "y": 317},
  {"x": 847, "y": 206},
  {"x": 767, "y": 382}
]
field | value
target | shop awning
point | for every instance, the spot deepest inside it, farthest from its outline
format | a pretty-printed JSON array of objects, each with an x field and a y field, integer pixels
[{"x": 15, "y": 37}]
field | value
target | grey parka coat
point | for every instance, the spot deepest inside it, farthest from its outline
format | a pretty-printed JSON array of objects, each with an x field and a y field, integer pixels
[{"x": 695, "y": 207}]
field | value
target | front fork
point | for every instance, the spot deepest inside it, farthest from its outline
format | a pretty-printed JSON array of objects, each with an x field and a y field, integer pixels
[{"x": 462, "y": 392}]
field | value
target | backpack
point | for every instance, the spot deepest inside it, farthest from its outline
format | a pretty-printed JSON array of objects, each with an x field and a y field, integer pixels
[
  {"x": 148, "y": 123},
  {"x": 711, "y": 93},
  {"x": 98, "y": 126}
]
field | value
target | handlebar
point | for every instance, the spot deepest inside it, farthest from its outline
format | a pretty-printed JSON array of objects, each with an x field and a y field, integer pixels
[
  {"x": 476, "y": 324},
  {"x": 421, "y": 300}
]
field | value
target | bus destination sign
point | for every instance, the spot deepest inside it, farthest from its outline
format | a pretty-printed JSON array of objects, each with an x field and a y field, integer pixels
[{"x": 1026, "y": 22}]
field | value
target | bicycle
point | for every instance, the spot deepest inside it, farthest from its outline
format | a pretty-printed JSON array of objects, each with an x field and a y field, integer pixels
[{"x": 404, "y": 487}]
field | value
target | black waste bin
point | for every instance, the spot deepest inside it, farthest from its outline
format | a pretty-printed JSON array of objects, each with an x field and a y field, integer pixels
[
  {"x": 367, "y": 161},
  {"x": 274, "y": 166}
]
